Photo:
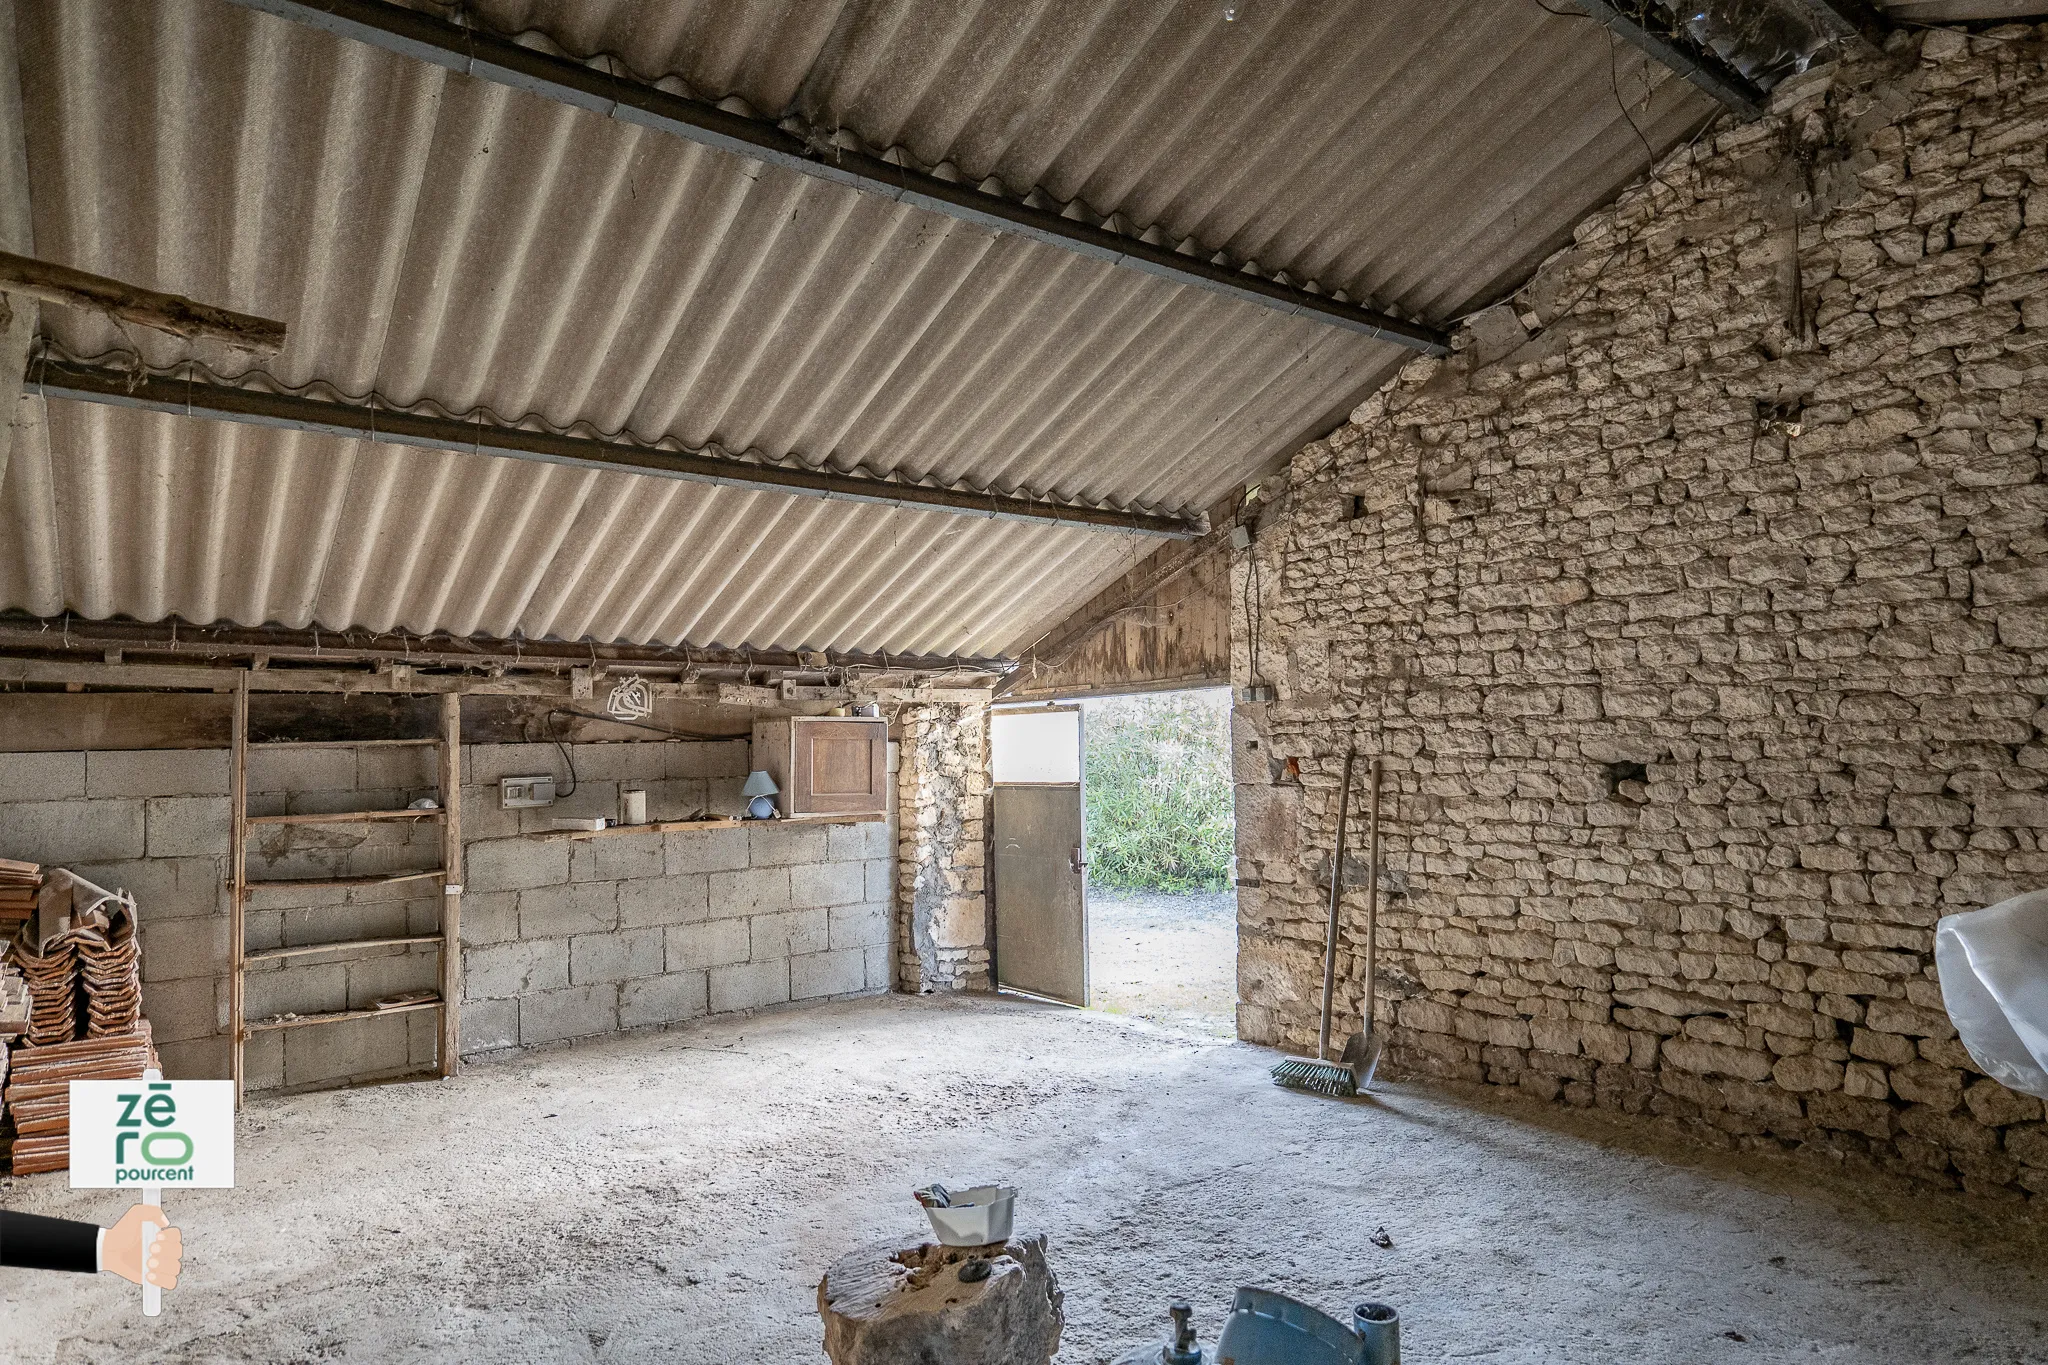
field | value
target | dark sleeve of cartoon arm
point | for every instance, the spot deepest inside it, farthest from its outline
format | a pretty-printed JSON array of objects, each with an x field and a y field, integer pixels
[{"x": 34, "y": 1242}]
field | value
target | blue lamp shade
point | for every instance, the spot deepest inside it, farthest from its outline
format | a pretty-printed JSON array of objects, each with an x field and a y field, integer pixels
[{"x": 760, "y": 793}]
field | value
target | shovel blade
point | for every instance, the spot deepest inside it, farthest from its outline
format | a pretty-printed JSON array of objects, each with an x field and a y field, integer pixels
[{"x": 1362, "y": 1055}]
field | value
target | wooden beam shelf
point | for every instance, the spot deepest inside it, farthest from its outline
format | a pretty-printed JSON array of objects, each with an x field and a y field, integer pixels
[
  {"x": 302, "y": 950},
  {"x": 346, "y": 817},
  {"x": 317, "y": 883},
  {"x": 339, "y": 1016}
]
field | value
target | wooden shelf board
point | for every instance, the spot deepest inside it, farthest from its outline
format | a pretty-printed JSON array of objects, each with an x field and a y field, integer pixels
[
  {"x": 340, "y": 743},
  {"x": 340, "y": 817},
  {"x": 301, "y": 950},
  {"x": 720, "y": 822},
  {"x": 337, "y": 1017},
  {"x": 316, "y": 883}
]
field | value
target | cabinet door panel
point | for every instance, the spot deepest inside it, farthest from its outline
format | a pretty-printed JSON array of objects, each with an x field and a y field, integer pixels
[{"x": 841, "y": 767}]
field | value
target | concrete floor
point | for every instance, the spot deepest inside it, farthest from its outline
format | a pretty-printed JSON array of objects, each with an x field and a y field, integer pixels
[
  {"x": 1170, "y": 959},
  {"x": 675, "y": 1197}
]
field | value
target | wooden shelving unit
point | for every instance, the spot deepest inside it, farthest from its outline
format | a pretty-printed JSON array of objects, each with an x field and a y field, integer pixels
[{"x": 449, "y": 874}]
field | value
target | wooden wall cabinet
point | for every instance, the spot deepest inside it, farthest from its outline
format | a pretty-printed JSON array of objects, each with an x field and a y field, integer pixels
[{"x": 826, "y": 765}]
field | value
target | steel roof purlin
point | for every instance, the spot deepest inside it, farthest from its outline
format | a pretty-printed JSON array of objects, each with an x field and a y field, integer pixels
[{"x": 488, "y": 57}]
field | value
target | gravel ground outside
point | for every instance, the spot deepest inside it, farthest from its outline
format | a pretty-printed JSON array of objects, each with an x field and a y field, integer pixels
[{"x": 1170, "y": 959}]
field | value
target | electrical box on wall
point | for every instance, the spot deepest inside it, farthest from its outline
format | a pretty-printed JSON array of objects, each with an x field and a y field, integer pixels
[{"x": 520, "y": 793}]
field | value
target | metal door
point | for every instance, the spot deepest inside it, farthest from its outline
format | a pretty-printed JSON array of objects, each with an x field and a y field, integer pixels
[{"x": 1041, "y": 893}]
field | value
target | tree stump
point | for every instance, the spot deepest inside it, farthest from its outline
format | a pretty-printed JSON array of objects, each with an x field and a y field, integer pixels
[{"x": 892, "y": 1305}]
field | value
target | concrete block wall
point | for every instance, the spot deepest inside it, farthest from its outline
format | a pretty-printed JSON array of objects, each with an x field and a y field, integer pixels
[
  {"x": 566, "y": 938},
  {"x": 1699, "y": 604},
  {"x": 561, "y": 938}
]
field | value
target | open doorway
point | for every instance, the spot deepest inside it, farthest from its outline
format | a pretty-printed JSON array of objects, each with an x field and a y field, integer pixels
[{"x": 1161, "y": 829}]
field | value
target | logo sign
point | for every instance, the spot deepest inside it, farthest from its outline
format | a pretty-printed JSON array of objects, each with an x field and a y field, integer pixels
[{"x": 179, "y": 1134}]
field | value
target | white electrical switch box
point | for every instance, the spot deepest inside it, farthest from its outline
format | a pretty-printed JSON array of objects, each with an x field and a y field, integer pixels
[{"x": 519, "y": 793}]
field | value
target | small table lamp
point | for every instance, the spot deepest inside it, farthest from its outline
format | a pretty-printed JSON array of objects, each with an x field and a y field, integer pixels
[{"x": 760, "y": 793}]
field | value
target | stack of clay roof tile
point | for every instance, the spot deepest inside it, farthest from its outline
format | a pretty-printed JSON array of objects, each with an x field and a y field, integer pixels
[
  {"x": 39, "y": 1091},
  {"x": 110, "y": 970},
  {"x": 50, "y": 969},
  {"x": 18, "y": 885}
]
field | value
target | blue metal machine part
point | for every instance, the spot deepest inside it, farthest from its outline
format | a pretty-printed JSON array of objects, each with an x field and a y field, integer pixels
[{"x": 1265, "y": 1328}]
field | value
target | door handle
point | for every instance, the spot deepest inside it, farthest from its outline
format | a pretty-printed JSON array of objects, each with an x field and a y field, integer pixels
[{"x": 1080, "y": 863}]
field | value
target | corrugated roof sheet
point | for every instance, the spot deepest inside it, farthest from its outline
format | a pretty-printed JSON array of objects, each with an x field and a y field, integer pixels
[{"x": 435, "y": 239}]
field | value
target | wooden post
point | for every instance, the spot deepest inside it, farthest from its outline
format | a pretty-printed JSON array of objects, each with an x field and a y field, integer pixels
[
  {"x": 27, "y": 277},
  {"x": 17, "y": 315},
  {"x": 451, "y": 882},
  {"x": 238, "y": 813}
]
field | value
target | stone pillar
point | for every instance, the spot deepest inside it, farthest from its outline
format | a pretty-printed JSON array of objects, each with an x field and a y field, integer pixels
[{"x": 941, "y": 899}]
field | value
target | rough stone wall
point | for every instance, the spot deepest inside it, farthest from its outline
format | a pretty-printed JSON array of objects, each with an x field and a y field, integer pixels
[
  {"x": 942, "y": 801},
  {"x": 1699, "y": 603}
]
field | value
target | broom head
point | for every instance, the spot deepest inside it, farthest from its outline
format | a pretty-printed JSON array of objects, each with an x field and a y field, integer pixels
[{"x": 1349, "y": 1076}]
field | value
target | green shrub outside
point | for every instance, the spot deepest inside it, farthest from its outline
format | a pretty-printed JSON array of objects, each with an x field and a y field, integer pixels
[{"x": 1160, "y": 807}]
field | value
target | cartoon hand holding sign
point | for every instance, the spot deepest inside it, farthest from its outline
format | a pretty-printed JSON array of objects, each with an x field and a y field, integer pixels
[{"x": 146, "y": 1134}]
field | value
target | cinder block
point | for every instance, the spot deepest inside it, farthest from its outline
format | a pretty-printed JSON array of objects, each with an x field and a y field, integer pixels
[
  {"x": 391, "y": 971},
  {"x": 663, "y": 999},
  {"x": 358, "y": 1049},
  {"x": 483, "y": 819},
  {"x": 818, "y": 884},
  {"x": 858, "y": 926},
  {"x": 488, "y": 1025},
  {"x": 616, "y": 956},
  {"x": 156, "y": 772},
  {"x": 484, "y": 764},
  {"x": 840, "y": 973},
  {"x": 777, "y": 844},
  {"x": 664, "y": 900},
  {"x": 881, "y": 969},
  {"x": 519, "y": 968},
  {"x": 675, "y": 798},
  {"x": 179, "y": 1010},
  {"x": 298, "y": 987},
  {"x": 787, "y": 934},
  {"x": 196, "y": 1059},
  {"x": 576, "y": 1012},
  {"x": 489, "y": 917},
  {"x": 187, "y": 826},
  {"x": 262, "y": 1061},
  {"x": 71, "y": 832},
  {"x": 179, "y": 949},
  {"x": 622, "y": 762},
  {"x": 301, "y": 770},
  {"x": 846, "y": 843},
  {"x": 880, "y": 880},
  {"x": 616, "y": 859},
  {"x": 706, "y": 850},
  {"x": 164, "y": 888},
  {"x": 748, "y": 986},
  {"x": 880, "y": 836},
  {"x": 729, "y": 759},
  {"x": 515, "y": 864},
  {"x": 413, "y": 769},
  {"x": 579, "y": 908},
  {"x": 753, "y": 892},
  {"x": 47, "y": 777},
  {"x": 715, "y": 943},
  {"x": 334, "y": 923}
]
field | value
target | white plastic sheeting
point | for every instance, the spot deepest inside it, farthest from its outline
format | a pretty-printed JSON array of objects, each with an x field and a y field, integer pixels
[{"x": 1994, "y": 980}]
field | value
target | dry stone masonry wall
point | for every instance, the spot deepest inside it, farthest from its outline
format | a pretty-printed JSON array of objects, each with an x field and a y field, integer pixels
[
  {"x": 1700, "y": 605},
  {"x": 941, "y": 900}
]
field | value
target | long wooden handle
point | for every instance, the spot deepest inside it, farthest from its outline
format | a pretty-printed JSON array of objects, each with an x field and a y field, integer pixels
[
  {"x": 1372, "y": 898},
  {"x": 1336, "y": 890}
]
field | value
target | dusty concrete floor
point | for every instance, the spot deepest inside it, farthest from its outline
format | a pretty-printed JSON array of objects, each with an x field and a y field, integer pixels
[
  {"x": 1171, "y": 959},
  {"x": 675, "y": 1197}
]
